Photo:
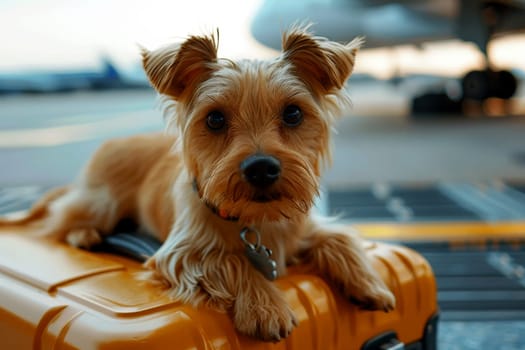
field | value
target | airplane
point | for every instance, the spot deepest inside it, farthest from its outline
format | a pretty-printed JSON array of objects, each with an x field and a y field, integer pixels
[
  {"x": 390, "y": 23},
  {"x": 107, "y": 77}
]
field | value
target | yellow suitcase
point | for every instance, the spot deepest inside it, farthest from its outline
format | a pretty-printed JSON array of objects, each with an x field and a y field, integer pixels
[{"x": 53, "y": 296}]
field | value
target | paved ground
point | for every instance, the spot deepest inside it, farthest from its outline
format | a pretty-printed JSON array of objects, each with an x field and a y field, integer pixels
[
  {"x": 401, "y": 150},
  {"x": 46, "y": 139},
  {"x": 502, "y": 335}
]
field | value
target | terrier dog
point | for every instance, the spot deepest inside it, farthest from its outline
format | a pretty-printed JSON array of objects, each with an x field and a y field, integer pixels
[{"x": 229, "y": 188}]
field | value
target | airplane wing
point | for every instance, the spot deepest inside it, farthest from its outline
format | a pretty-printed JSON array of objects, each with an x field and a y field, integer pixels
[{"x": 390, "y": 23}]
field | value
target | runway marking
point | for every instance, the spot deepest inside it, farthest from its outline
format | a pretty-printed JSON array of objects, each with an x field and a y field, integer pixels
[
  {"x": 116, "y": 124},
  {"x": 454, "y": 232}
]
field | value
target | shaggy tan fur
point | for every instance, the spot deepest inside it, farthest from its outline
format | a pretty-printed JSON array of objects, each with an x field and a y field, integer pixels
[{"x": 168, "y": 182}]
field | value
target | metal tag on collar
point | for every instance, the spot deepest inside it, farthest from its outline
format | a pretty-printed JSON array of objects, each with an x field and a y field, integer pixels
[{"x": 259, "y": 255}]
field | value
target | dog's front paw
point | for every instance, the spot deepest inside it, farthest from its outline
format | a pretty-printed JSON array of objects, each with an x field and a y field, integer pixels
[
  {"x": 269, "y": 322},
  {"x": 83, "y": 238},
  {"x": 373, "y": 297}
]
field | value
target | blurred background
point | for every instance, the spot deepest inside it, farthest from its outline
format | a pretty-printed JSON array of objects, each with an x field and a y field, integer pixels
[
  {"x": 436, "y": 92},
  {"x": 434, "y": 144}
]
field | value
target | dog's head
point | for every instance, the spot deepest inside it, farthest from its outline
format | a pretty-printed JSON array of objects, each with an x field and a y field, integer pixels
[{"x": 255, "y": 134}]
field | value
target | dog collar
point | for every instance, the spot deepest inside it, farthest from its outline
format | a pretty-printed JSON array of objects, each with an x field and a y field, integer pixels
[
  {"x": 259, "y": 256},
  {"x": 223, "y": 214}
]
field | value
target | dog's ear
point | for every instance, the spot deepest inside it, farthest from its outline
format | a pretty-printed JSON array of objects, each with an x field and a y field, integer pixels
[
  {"x": 319, "y": 62},
  {"x": 176, "y": 69}
]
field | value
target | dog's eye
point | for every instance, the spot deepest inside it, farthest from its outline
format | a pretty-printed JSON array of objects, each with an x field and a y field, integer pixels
[
  {"x": 292, "y": 115},
  {"x": 215, "y": 121}
]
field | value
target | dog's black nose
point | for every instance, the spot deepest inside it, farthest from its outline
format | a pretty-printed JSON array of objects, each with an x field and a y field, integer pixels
[{"x": 261, "y": 170}]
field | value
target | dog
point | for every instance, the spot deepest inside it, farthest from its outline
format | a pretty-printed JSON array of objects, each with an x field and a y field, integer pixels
[{"x": 230, "y": 186}]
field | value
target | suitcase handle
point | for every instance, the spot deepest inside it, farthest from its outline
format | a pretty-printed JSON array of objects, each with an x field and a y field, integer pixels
[{"x": 136, "y": 246}]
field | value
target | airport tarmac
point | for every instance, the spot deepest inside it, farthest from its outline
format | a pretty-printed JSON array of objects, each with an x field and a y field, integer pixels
[
  {"x": 45, "y": 139},
  {"x": 401, "y": 150}
]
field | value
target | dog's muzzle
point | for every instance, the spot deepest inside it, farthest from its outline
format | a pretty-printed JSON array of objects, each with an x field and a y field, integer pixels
[{"x": 261, "y": 170}]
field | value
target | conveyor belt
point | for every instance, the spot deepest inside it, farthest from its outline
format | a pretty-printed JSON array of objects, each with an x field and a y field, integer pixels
[
  {"x": 481, "y": 279},
  {"x": 441, "y": 202},
  {"x": 478, "y": 282}
]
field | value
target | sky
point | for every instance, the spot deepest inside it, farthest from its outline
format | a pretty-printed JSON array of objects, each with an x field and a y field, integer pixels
[
  {"x": 53, "y": 34},
  {"x": 50, "y": 33}
]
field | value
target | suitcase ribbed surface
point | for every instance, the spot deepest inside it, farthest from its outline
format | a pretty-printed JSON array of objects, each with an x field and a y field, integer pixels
[{"x": 96, "y": 302}]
